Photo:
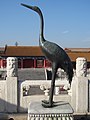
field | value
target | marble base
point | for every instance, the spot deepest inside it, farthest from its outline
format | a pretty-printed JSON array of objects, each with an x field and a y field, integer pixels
[{"x": 61, "y": 110}]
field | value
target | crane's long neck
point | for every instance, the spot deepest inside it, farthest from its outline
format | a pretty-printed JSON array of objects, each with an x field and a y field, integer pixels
[
  {"x": 41, "y": 24},
  {"x": 41, "y": 36}
]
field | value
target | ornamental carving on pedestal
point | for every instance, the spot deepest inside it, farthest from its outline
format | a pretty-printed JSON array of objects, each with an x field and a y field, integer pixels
[
  {"x": 81, "y": 67},
  {"x": 12, "y": 67}
]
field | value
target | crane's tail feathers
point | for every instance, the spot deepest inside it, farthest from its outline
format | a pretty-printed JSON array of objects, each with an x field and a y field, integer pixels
[{"x": 70, "y": 76}]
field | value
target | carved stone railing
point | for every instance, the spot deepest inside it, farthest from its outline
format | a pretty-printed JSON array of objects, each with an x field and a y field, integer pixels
[{"x": 42, "y": 85}]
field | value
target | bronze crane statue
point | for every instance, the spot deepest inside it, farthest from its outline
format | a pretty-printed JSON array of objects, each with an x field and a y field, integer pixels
[{"x": 55, "y": 54}]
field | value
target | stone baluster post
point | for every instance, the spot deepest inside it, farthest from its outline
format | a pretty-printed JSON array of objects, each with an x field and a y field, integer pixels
[
  {"x": 11, "y": 83},
  {"x": 79, "y": 88}
]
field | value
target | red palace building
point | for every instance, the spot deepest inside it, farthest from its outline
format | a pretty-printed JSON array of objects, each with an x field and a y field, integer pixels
[{"x": 32, "y": 56}]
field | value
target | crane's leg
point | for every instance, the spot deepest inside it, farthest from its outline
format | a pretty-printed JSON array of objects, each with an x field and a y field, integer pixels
[{"x": 50, "y": 102}]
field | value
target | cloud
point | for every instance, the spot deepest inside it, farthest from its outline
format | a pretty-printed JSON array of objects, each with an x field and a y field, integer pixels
[{"x": 65, "y": 32}]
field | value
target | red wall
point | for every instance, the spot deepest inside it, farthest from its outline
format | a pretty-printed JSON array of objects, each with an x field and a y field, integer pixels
[
  {"x": 3, "y": 63},
  {"x": 28, "y": 63},
  {"x": 47, "y": 63}
]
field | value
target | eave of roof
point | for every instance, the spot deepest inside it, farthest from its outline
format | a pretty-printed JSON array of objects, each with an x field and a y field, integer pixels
[
  {"x": 35, "y": 51},
  {"x": 77, "y": 49},
  {"x": 23, "y": 51}
]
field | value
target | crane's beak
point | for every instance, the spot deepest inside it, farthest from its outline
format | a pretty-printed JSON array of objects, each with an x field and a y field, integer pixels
[{"x": 28, "y": 6}]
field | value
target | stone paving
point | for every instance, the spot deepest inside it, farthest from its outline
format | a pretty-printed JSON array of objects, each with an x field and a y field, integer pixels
[
  {"x": 13, "y": 116},
  {"x": 27, "y": 74},
  {"x": 31, "y": 74}
]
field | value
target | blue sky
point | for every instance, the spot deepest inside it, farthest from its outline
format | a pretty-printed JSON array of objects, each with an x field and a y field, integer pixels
[{"x": 67, "y": 22}]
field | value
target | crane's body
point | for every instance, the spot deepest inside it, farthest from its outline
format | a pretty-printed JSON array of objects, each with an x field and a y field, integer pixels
[{"x": 55, "y": 54}]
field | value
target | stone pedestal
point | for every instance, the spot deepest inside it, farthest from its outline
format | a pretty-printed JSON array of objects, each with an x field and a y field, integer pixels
[
  {"x": 79, "y": 96},
  {"x": 73, "y": 93},
  {"x": 82, "y": 95},
  {"x": 61, "y": 111},
  {"x": 11, "y": 94},
  {"x": 11, "y": 83},
  {"x": 79, "y": 87}
]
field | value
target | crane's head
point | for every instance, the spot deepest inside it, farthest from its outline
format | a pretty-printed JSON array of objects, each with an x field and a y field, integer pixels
[{"x": 35, "y": 8}]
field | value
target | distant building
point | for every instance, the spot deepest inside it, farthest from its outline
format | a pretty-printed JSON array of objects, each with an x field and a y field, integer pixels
[{"x": 32, "y": 56}]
